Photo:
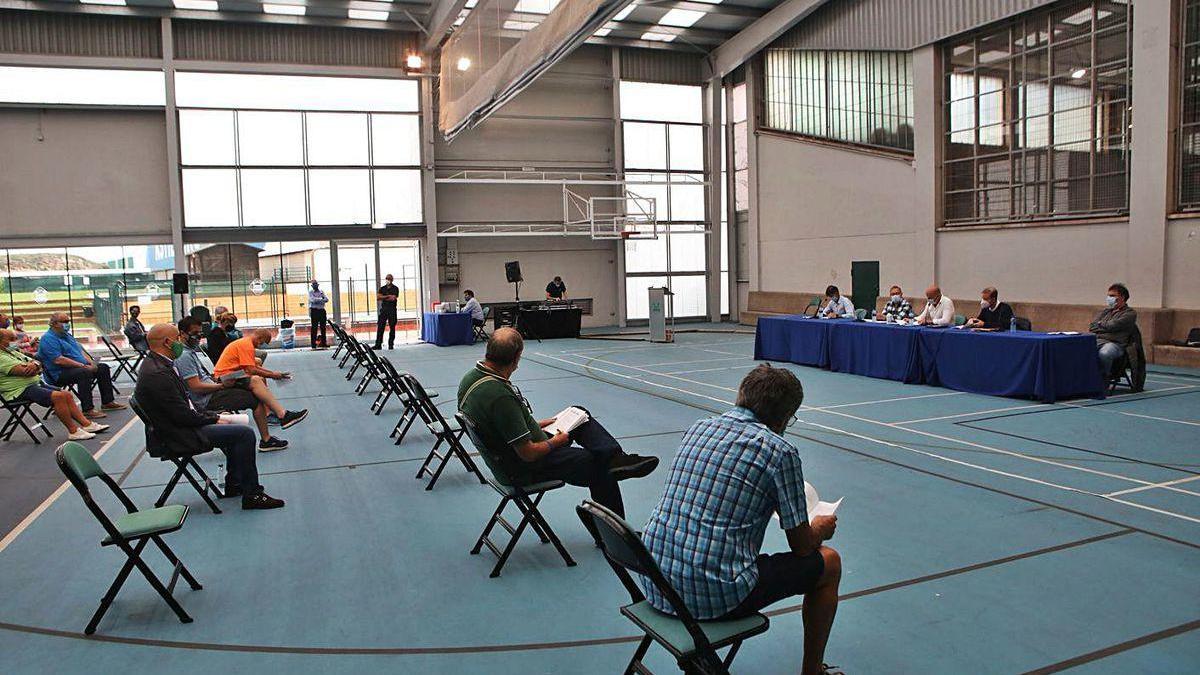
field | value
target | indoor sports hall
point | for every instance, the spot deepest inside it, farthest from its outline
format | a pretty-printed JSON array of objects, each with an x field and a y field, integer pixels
[{"x": 600, "y": 336}]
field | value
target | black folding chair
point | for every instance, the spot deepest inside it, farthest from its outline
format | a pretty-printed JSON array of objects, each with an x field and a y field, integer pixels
[
  {"x": 125, "y": 363},
  {"x": 372, "y": 371},
  {"x": 526, "y": 498},
  {"x": 693, "y": 643},
  {"x": 413, "y": 410},
  {"x": 481, "y": 329},
  {"x": 1023, "y": 323},
  {"x": 356, "y": 352},
  {"x": 389, "y": 385},
  {"x": 340, "y": 334},
  {"x": 445, "y": 431},
  {"x": 129, "y": 532},
  {"x": 185, "y": 463},
  {"x": 17, "y": 410}
]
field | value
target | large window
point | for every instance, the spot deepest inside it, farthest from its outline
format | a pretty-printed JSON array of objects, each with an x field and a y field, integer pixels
[
  {"x": 1188, "y": 151},
  {"x": 261, "y": 151},
  {"x": 1037, "y": 114},
  {"x": 82, "y": 86},
  {"x": 854, "y": 97}
]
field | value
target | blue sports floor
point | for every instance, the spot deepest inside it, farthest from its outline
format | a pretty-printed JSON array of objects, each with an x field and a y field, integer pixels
[{"x": 978, "y": 534}]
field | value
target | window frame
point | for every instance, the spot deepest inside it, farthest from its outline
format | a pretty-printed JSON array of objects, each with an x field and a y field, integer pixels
[{"x": 1180, "y": 80}]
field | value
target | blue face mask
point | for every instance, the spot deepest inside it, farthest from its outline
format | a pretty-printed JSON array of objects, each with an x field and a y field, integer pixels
[{"x": 1110, "y": 300}]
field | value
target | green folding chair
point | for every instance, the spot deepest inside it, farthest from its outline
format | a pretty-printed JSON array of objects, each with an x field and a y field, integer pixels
[
  {"x": 693, "y": 643},
  {"x": 959, "y": 319},
  {"x": 860, "y": 314},
  {"x": 130, "y": 532}
]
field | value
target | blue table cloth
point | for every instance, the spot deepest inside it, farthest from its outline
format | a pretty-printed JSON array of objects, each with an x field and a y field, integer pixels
[
  {"x": 1025, "y": 364},
  {"x": 794, "y": 339},
  {"x": 445, "y": 330},
  {"x": 882, "y": 350}
]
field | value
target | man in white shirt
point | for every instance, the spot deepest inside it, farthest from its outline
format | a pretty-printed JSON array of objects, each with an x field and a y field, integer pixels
[
  {"x": 471, "y": 306},
  {"x": 939, "y": 310},
  {"x": 837, "y": 306}
]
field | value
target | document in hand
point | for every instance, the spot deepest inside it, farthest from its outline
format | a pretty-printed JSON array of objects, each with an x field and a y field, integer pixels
[
  {"x": 567, "y": 421},
  {"x": 815, "y": 506},
  {"x": 234, "y": 418}
]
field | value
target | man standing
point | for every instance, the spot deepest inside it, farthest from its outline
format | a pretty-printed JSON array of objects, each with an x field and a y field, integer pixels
[
  {"x": 180, "y": 427},
  {"x": 939, "y": 310},
  {"x": 732, "y": 474},
  {"x": 993, "y": 315},
  {"x": 387, "y": 296},
  {"x": 135, "y": 331},
  {"x": 67, "y": 363},
  {"x": 556, "y": 290},
  {"x": 316, "y": 316},
  {"x": 837, "y": 306},
  {"x": 1114, "y": 327}
]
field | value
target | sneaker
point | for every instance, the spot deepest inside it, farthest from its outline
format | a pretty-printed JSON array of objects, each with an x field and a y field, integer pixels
[
  {"x": 81, "y": 435},
  {"x": 292, "y": 417},
  {"x": 632, "y": 466},
  {"x": 113, "y": 405},
  {"x": 231, "y": 491},
  {"x": 272, "y": 420},
  {"x": 93, "y": 414},
  {"x": 95, "y": 428},
  {"x": 271, "y": 444},
  {"x": 260, "y": 501}
]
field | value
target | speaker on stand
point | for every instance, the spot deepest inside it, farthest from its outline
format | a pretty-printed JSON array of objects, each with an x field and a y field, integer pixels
[{"x": 179, "y": 287}]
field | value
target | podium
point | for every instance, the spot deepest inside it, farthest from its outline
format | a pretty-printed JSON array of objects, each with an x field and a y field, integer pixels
[{"x": 662, "y": 314}]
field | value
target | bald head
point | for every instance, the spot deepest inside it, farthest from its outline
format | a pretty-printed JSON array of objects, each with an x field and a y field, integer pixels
[
  {"x": 161, "y": 337},
  {"x": 504, "y": 349},
  {"x": 933, "y": 293}
]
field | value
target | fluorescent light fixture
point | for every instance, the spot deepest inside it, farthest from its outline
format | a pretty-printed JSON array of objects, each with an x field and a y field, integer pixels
[
  {"x": 624, "y": 13},
  {"x": 369, "y": 15},
  {"x": 1079, "y": 74},
  {"x": 657, "y": 37},
  {"x": 120, "y": 3},
  {"x": 680, "y": 17},
  {"x": 519, "y": 25},
  {"x": 464, "y": 63},
  {"x": 414, "y": 62},
  {"x": 602, "y": 32},
  {"x": 294, "y": 10},
  {"x": 210, "y": 5}
]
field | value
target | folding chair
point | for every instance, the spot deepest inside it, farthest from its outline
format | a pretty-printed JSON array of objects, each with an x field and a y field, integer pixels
[
  {"x": 413, "y": 410},
  {"x": 372, "y": 371},
  {"x": 17, "y": 410},
  {"x": 389, "y": 385},
  {"x": 122, "y": 361},
  {"x": 526, "y": 498},
  {"x": 814, "y": 304},
  {"x": 129, "y": 532},
  {"x": 448, "y": 432},
  {"x": 340, "y": 334},
  {"x": 354, "y": 351},
  {"x": 481, "y": 330},
  {"x": 693, "y": 643},
  {"x": 184, "y": 463}
]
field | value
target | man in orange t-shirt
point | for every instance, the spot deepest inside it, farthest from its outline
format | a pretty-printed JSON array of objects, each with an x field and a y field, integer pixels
[{"x": 239, "y": 362}]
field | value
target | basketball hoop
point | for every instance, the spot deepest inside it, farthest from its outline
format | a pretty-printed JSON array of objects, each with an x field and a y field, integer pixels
[{"x": 625, "y": 234}]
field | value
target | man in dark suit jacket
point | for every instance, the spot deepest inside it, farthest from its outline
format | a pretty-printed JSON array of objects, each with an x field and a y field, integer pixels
[
  {"x": 993, "y": 314},
  {"x": 180, "y": 427}
]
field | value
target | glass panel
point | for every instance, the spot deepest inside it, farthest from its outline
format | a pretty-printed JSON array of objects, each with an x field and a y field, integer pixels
[
  {"x": 147, "y": 282},
  {"x": 82, "y": 86},
  {"x": 210, "y": 198},
  {"x": 293, "y": 92},
  {"x": 397, "y": 196},
  {"x": 646, "y": 255},
  {"x": 687, "y": 148},
  {"x": 687, "y": 252},
  {"x": 270, "y": 138},
  {"x": 401, "y": 259},
  {"x": 690, "y": 296},
  {"x": 687, "y": 200},
  {"x": 725, "y": 292},
  {"x": 660, "y": 102},
  {"x": 395, "y": 140},
  {"x": 645, "y": 145},
  {"x": 272, "y": 197},
  {"x": 209, "y": 267},
  {"x": 337, "y": 139},
  {"x": 357, "y": 286},
  {"x": 637, "y": 297},
  {"x": 206, "y": 137},
  {"x": 339, "y": 196}
]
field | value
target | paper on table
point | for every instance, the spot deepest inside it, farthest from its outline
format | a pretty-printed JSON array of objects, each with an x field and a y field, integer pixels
[
  {"x": 1064, "y": 332},
  {"x": 567, "y": 421},
  {"x": 815, "y": 506}
]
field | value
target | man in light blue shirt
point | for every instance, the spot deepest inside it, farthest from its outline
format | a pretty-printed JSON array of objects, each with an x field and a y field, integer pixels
[
  {"x": 837, "y": 306},
  {"x": 67, "y": 363},
  {"x": 471, "y": 306}
]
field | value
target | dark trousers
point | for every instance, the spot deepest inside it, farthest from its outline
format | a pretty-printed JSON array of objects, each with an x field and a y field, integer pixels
[
  {"x": 84, "y": 380},
  {"x": 317, "y": 317},
  {"x": 585, "y": 463},
  {"x": 388, "y": 318},
  {"x": 237, "y": 441}
]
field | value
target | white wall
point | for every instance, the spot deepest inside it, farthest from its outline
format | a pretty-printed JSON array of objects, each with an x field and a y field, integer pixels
[
  {"x": 82, "y": 172},
  {"x": 1182, "y": 277}
]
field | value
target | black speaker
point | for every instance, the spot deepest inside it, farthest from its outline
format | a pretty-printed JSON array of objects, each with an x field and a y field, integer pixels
[
  {"x": 512, "y": 270},
  {"x": 179, "y": 283}
]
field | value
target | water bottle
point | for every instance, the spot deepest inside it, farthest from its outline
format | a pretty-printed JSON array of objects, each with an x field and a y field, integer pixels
[
  {"x": 221, "y": 476},
  {"x": 1012, "y": 325}
]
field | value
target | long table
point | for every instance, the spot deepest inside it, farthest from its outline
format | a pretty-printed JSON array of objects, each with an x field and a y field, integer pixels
[
  {"x": 1023, "y": 364},
  {"x": 447, "y": 329}
]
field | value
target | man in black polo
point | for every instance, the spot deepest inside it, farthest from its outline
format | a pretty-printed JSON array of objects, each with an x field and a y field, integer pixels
[
  {"x": 556, "y": 290},
  {"x": 387, "y": 296},
  {"x": 993, "y": 314}
]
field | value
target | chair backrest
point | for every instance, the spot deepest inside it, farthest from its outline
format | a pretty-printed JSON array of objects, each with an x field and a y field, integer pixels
[
  {"x": 1193, "y": 338},
  {"x": 860, "y": 314},
  {"x": 487, "y": 312},
  {"x": 625, "y": 552},
  {"x": 959, "y": 319},
  {"x": 1023, "y": 323},
  {"x": 112, "y": 349},
  {"x": 489, "y": 457},
  {"x": 141, "y": 415},
  {"x": 432, "y": 413},
  {"x": 78, "y": 465}
]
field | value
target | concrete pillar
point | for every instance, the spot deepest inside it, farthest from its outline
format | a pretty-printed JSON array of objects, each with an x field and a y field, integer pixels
[
  {"x": 713, "y": 139},
  {"x": 618, "y": 155},
  {"x": 755, "y": 271},
  {"x": 927, "y": 159},
  {"x": 174, "y": 189},
  {"x": 430, "y": 291}
]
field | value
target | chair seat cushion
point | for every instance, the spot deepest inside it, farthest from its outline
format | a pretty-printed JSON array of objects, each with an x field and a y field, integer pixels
[
  {"x": 149, "y": 521},
  {"x": 671, "y": 633},
  {"x": 439, "y": 428}
]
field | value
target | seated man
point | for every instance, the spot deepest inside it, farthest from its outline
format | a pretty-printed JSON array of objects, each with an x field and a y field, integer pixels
[
  {"x": 731, "y": 475},
  {"x": 993, "y": 315},
  {"x": 939, "y": 310},
  {"x": 67, "y": 363},
  {"x": 179, "y": 426},
  {"x": 240, "y": 363},
  {"x": 837, "y": 306},
  {"x": 208, "y": 394},
  {"x": 897, "y": 308},
  {"x": 471, "y": 306},
  {"x": 20, "y": 379},
  {"x": 521, "y": 452},
  {"x": 135, "y": 331},
  {"x": 1114, "y": 327}
]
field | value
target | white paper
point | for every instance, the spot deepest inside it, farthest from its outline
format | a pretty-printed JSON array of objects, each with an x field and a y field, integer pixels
[
  {"x": 1064, "y": 332},
  {"x": 815, "y": 506},
  {"x": 567, "y": 421},
  {"x": 234, "y": 418}
]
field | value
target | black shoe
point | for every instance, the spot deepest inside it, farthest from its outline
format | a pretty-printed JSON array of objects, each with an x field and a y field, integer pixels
[
  {"x": 260, "y": 501},
  {"x": 292, "y": 417},
  {"x": 272, "y": 443},
  {"x": 632, "y": 466},
  {"x": 231, "y": 491},
  {"x": 375, "y": 348},
  {"x": 272, "y": 420}
]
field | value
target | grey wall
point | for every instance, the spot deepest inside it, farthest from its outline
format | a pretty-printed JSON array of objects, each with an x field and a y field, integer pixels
[{"x": 67, "y": 172}]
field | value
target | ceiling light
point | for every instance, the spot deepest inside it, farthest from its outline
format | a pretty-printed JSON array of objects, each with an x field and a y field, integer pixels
[
  {"x": 414, "y": 62},
  {"x": 294, "y": 10},
  {"x": 680, "y": 17},
  {"x": 657, "y": 37},
  {"x": 1079, "y": 74},
  {"x": 103, "y": 2},
  {"x": 464, "y": 63},
  {"x": 519, "y": 25},
  {"x": 369, "y": 15},
  {"x": 210, "y": 5},
  {"x": 624, "y": 13},
  {"x": 602, "y": 32}
]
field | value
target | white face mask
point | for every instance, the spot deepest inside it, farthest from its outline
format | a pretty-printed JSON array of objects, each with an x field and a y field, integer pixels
[
  {"x": 895, "y": 298},
  {"x": 985, "y": 304},
  {"x": 1110, "y": 300}
]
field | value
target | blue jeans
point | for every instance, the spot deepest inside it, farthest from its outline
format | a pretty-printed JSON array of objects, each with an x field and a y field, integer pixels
[
  {"x": 1110, "y": 352},
  {"x": 237, "y": 441}
]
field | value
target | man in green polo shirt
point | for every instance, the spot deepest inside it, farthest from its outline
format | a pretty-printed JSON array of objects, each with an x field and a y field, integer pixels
[
  {"x": 518, "y": 449},
  {"x": 21, "y": 378}
]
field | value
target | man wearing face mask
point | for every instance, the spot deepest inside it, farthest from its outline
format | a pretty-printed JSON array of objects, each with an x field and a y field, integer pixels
[
  {"x": 897, "y": 308},
  {"x": 993, "y": 314},
  {"x": 316, "y": 316},
  {"x": 939, "y": 310},
  {"x": 135, "y": 330},
  {"x": 838, "y": 306},
  {"x": 386, "y": 297},
  {"x": 1114, "y": 327},
  {"x": 67, "y": 363},
  {"x": 180, "y": 426}
]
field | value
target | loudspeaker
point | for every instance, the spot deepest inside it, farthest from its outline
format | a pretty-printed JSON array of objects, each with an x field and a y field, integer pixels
[
  {"x": 179, "y": 283},
  {"x": 512, "y": 270}
]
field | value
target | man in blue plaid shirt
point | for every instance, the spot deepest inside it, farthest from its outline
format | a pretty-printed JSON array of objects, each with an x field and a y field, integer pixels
[{"x": 732, "y": 473}]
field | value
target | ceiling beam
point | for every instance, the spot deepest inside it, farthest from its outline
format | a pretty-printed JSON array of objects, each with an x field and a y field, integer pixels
[
  {"x": 753, "y": 38},
  {"x": 442, "y": 15}
]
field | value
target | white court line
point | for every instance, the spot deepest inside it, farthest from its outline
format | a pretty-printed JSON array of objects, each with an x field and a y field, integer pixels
[
  {"x": 1129, "y": 414},
  {"x": 702, "y": 370},
  {"x": 631, "y": 377},
  {"x": 1153, "y": 487},
  {"x": 41, "y": 508},
  {"x": 978, "y": 412},
  {"x": 890, "y": 400},
  {"x": 708, "y": 360}
]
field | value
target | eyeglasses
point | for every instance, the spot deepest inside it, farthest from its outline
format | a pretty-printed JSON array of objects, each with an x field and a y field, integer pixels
[{"x": 792, "y": 422}]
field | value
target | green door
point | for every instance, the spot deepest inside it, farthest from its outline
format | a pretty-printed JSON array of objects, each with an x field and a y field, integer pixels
[{"x": 864, "y": 278}]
